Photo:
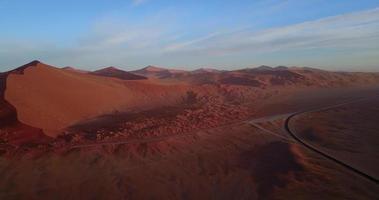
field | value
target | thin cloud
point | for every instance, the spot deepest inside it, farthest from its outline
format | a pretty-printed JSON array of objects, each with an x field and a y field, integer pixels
[
  {"x": 349, "y": 30},
  {"x": 138, "y": 2},
  {"x": 156, "y": 41}
]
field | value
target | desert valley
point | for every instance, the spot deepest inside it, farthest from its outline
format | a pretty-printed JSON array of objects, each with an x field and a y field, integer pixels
[
  {"x": 157, "y": 133},
  {"x": 189, "y": 100}
]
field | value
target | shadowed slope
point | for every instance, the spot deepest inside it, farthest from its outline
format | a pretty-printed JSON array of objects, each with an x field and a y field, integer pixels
[
  {"x": 117, "y": 73},
  {"x": 75, "y": 70},
  {"x": 270, "y": 164},
  {"x": 8, "y": 114},
  {"x": 7, "y": 111},
  {"x": 280, "y": 76},
  {"x": 157, "y": 72},
  {"x": 52, "y": 98},
  {"x": 13, "y": 131}
]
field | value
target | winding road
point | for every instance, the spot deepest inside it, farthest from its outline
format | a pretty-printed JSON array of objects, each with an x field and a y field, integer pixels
[
  {"x": 318, "y": 151},
  {"x": 255, "y": 122}
]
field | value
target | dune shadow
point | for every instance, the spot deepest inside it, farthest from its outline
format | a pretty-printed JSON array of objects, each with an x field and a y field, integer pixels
[
  {"x": 22, "y": 134},
  {"x": 269, "y": 164},
  {"x": 8, "y": 114}
]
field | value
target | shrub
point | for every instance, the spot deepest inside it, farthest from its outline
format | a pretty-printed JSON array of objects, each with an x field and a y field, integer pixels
[{"x": 191, "y": 97}]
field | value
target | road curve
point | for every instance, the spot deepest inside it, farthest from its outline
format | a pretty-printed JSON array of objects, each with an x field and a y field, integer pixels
[{"x": 323, "y": 154}]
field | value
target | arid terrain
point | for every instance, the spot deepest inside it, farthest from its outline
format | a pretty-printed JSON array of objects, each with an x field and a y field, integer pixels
[
  {"x": 348, "y": 132},
  {"x": 158, "y": 133}
]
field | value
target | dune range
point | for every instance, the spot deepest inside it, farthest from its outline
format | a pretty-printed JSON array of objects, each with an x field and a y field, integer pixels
[{"x": 174, "y": 134}]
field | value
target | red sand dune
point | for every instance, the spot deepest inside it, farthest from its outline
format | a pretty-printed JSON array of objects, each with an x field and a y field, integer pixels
[
  {"x": 13, "y": 131},
  {"x": 158, "y": 72},
  {"x": 117, "y": 73},
  {"x": 52, "y": 98},
  {"x": 75, "y": 69},
  {"x": 190, "y": 133},
  {"x": 280, "y": 76},
  {"x": 205, "y": 70}
]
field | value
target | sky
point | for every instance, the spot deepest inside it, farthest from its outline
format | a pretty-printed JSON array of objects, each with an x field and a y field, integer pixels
[{"x": 340, "y": 35}]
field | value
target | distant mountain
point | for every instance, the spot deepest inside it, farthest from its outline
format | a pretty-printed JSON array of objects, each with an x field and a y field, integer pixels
[
  {"x": 262, "y": 68},
  {"x": 158, "y": 72},
  {"x": 281, "y": 68},
  {"x": 117, "y": 73},
  {"x": 73, "y": 69},
  {"x": 153, "y": 69},
  {"x": 68, "y": 68},
  {"x": 205, "y": 70}
]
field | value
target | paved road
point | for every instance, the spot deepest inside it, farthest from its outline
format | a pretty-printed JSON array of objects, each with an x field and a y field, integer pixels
[
  {"x": 318, "y": 151},
  {"x": 255, "y": 123}
]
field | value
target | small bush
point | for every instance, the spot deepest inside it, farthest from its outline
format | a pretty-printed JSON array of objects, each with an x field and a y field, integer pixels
[{"x": 191, "y": 97}]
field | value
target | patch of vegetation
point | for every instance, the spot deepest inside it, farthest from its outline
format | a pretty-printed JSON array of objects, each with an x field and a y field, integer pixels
[{"x": 191, "y": 98}]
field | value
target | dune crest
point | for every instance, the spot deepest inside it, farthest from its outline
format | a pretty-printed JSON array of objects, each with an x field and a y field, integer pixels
[{"x": 53, "y": 99}]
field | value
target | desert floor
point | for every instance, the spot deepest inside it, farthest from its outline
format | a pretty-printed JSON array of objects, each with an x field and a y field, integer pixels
[{"x": 248, "y": 159}]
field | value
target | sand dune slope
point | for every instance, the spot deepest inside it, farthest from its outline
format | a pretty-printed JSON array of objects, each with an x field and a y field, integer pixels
[
  {"x": 117, "y": 73},
  {"x": 158, "y": 72},
  {"x": 52, "y": 98}
]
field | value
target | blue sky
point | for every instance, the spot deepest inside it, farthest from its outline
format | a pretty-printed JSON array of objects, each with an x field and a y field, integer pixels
[{"x": 89, "y": 34}]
